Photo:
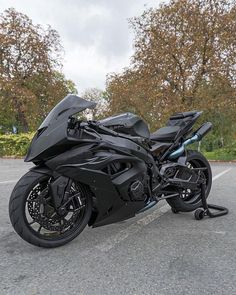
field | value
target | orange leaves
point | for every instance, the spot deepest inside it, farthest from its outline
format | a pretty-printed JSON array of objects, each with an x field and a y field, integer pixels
[
  {"x": 30, "y": 83},
  {"x": 185, "y": 51}
]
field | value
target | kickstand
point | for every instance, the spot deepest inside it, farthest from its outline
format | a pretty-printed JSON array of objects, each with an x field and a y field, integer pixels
[{"x": 201, "y": 213}]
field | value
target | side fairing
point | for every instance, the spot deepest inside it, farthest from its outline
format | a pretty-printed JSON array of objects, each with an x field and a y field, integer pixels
[{"x": 88, "y": 164}]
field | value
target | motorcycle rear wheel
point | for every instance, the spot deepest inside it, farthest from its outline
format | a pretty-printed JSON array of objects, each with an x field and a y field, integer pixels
[
  {"x": 35, "y": 219},
  {"x": 188, "y": 201}
]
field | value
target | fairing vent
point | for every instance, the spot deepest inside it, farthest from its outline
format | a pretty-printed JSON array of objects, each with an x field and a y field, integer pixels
[{"x": 116, "y": 168}]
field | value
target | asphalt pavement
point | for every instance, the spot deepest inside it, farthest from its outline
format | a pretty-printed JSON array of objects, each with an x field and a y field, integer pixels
[{"x": 157, "y": 252}]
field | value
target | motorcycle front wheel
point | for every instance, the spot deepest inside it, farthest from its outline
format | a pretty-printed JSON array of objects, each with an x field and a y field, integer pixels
[{"x": 34, "y": 217}]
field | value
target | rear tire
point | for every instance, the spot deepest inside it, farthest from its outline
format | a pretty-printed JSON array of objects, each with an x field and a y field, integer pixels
[
  {"x": 178, "y": 203},
  {"x": 18, "y": 216}
]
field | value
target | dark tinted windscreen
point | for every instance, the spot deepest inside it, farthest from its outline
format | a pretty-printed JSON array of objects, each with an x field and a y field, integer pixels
[{"x": 71, "y": 104}]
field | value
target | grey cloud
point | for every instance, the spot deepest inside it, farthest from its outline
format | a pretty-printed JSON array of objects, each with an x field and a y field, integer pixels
[
  {"x": 106, "y": 30},
  {"x": 94, "y": 33}
]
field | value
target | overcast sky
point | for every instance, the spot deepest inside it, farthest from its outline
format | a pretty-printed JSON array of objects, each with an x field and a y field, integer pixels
[{"x": 94, "y": 33}]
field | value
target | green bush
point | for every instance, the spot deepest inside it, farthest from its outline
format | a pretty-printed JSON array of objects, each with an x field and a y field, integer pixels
[
  {"x": 225, "y": 154},
  {"x": 15, "y": 144}
]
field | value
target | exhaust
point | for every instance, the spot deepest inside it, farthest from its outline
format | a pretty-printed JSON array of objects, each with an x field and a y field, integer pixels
[{"x": 197, "y": 136}]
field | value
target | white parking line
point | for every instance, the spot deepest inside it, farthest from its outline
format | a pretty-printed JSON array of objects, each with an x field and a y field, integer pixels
[
  {"x": 221, "y": 174},
  {"x": 8, "y": 181},
  {"x": 122, "y": 235}
]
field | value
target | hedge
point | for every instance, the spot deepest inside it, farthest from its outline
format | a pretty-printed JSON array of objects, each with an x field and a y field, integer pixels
[
  {"x": 224, "y": 154},
  {"x": 15, "y": 144}
]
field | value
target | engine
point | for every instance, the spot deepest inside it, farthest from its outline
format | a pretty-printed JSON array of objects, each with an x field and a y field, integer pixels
[
  {"x": 136, "y": 191},
  {"x": 130, "y": 178}
]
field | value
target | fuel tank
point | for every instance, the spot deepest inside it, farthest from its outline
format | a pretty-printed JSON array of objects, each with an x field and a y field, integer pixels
[{"x": 127, "y": 123}]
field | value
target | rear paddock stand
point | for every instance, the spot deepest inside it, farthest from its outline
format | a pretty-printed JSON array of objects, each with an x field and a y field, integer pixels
[{"x": 200, "y": 213}]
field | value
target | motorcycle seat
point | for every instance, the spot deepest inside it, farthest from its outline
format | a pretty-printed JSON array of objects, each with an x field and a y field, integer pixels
[
  {"x": 183, "y": 115},
  {"x": 168, "y": 133}
]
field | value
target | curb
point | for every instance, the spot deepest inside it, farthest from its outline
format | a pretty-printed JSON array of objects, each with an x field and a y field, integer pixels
[{"x": 12, "y": 157}]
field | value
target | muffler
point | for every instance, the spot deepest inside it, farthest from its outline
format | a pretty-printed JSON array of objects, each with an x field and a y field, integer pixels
[
  {"x": 203, "y": 130},
  {"x": 197, "y": 136}
]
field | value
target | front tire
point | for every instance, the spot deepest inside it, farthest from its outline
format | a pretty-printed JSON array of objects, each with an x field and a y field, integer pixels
[
  {"x": 44, "y": 229},
  {"x": 193, "y": 200}
]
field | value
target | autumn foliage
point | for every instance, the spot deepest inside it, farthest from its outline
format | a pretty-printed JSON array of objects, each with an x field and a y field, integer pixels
[
  {"x": 184, "y": 58},
  {"x": 30, "y": 78}
]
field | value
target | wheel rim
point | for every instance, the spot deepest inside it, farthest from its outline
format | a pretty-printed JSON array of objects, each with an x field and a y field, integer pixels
[
  {"x": 42, "y": 218},
  {"x": 188, "y": 196}
]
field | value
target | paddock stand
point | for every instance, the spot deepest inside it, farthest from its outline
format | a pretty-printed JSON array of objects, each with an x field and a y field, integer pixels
[{"x": 200, "y": 213}]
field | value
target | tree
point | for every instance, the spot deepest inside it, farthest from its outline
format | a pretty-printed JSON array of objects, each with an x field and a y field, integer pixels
[
  {"x": 181, "y": 49},
  {"x": 30, "y": 78},
  {"x": 100, "y": 98}
]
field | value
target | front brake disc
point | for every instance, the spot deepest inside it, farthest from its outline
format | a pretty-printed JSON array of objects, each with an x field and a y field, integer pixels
[{"x": 44, "y": 214}]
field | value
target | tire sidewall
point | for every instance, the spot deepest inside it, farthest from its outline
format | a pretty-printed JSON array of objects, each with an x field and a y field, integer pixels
[
  {"x": 18, "y": 217},
  {"x": 177, "y": 202}
]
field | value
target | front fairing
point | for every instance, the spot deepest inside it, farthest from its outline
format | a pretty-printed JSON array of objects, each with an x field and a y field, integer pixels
[{"x": 51, "y": 137}]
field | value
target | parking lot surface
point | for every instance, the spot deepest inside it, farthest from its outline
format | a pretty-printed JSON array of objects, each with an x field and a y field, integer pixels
[{"x": 157, "y": 252}]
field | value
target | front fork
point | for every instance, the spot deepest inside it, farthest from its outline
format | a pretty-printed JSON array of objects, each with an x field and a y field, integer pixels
[{"x": 59, "y": 190}]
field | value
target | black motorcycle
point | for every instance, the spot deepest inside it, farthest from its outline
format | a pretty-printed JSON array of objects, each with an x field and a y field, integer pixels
[{"x": 101, "y": 172}]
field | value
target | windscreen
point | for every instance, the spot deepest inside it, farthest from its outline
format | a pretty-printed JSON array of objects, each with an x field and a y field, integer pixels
[{"x": 70, "y": 105}]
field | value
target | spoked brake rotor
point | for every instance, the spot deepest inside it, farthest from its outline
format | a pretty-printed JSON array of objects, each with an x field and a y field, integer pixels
[{"x": 42, "y": 211}]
